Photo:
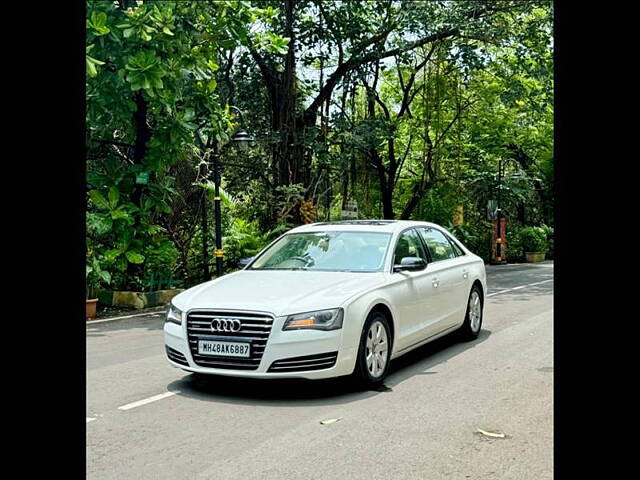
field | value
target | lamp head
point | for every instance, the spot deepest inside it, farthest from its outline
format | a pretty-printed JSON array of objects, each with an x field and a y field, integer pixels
[{"x": 242, "y": 139}]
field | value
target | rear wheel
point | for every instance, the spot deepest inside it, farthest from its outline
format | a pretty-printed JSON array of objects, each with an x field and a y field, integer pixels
[
  {"x": 374, "y": 351},
  {"x": 473, "y": 320}
]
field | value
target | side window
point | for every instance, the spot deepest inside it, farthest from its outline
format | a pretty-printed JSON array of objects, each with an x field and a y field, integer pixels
[
  {"x": 456, "y": 248},
  {"x": 408, "y": 245},
  {"x": 438, "y": 245}
]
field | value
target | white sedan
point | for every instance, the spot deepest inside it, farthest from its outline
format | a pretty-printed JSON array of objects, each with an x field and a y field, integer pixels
[{"x": 330, "y": 299}]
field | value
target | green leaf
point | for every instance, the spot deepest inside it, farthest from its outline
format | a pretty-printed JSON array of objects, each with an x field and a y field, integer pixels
[
  {"x": 119, "y": 214},
  {"x": 91, "y": 66},
  {"x": 98, "y": 199},
  {"x": 112, "y": 254},
  {"x": 98, "y": 223},
  {"x": 134, "y": 257},
  {"x": 144, "y": 71},
  {"x": 114, "y": 196},
  {"x": 106, "y": 276},
  {"x": 98, "y": 23}
]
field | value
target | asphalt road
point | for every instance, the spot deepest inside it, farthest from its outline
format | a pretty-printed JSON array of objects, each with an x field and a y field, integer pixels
[{"x": 148, "y": 420}]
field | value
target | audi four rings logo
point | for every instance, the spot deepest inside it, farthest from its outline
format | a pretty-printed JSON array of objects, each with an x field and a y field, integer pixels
[{"x": 225, "y": 325}]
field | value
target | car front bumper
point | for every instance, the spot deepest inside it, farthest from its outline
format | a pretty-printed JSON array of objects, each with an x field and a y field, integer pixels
[{"x": 281, "y": 345}]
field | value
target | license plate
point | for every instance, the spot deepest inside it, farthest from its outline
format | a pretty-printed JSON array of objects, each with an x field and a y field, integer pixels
[{"x": 227, "y": 349}]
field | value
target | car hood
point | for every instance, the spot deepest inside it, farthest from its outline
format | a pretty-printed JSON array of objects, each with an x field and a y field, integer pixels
[{"x": 280, "y": 292}]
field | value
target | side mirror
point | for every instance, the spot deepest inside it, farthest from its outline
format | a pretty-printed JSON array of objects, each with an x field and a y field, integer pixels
[
  {"x": 243, "y": 262},
  {"x": 410, "y": 264}
]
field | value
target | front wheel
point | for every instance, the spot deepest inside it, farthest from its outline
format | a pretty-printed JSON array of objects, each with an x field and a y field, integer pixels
[
  {"x": 473, "y": 320},
  {"x": 374, "y": 351}
]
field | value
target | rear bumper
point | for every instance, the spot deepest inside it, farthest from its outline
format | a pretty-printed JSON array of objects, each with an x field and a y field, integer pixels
[{"x": 280, "y": 345}]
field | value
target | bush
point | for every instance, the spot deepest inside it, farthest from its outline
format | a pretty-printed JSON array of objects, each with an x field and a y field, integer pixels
[
  {"x": 515, "y": 252},
  {"x": 534, "y": 239},
  {"x": 475, "y": 236},
  {"x": 243, "y": 239},
  {"x": 160, "y": 262}
]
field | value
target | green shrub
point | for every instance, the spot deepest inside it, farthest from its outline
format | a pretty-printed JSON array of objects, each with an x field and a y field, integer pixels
[
  {"x": 475, "y": 236},
  {"x": 243, "y": 239},
  {"x": 515, "y": 252},
  {"x": 533, "y": 239},
  {"x": 160, "y": 262}
]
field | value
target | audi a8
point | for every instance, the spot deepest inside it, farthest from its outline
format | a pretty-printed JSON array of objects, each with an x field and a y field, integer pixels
[{"x": 330, "y": 299}]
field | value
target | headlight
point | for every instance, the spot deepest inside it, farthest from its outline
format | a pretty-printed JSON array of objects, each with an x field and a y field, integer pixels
[
  {"x": 174, "y": 314},
  {"x": 320, "y": 320}
]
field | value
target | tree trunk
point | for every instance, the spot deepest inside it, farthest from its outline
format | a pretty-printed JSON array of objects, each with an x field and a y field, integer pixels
[{"x": 143, "y": 135}]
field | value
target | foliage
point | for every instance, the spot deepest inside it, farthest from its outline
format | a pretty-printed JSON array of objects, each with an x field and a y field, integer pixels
[
  {"x": 412, "y": 109},
  {"x": 243, "y": 239},
  {"x": 533, "y": 239},
  {"x": 95, "y": 275},
  {"x": 515, "y": 250},
  {"x": 151, "y": 103},
  {"x": 476, "y": 237},
  {"x": 160, "y": 263}
]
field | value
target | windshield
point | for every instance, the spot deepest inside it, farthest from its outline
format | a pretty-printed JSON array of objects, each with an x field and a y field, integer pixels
[{"x": 332, "y": 251}]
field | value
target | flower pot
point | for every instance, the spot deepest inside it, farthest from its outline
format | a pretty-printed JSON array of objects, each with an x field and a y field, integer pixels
[
  {"x": 534, "y": 257},
  {"x": 91, "y": 308}
]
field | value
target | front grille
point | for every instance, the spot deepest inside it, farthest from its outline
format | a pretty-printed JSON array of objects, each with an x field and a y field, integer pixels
[
  {"x": 308, "y": 362},
  {"x": 255, "y": 329},
  {"x": 176, "y": 356}
]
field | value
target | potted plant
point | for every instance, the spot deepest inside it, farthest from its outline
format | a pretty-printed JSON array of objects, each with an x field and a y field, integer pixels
[
  {"x": 95, "y": 275},
  {"x": 534, "y": 243}
]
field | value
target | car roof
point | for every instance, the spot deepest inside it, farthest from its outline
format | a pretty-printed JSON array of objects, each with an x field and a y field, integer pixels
[{"x": 362, "y": 226}]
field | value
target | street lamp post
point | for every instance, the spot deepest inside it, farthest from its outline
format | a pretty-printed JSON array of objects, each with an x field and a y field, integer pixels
[
  {"x": 216, "y": 206},
  {"x": 498, "y": 258},
  {"x": 242, "y": 139}
]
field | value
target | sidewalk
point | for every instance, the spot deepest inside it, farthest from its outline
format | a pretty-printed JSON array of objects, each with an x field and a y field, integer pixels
[
  {"x": 505, "y": 266},
  {"x": 110, "y": 316}
]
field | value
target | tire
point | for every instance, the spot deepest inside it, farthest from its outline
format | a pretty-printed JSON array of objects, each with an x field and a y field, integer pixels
[
  {"x": 370, "y": 373},
  {"x": 473, "y": 318}
]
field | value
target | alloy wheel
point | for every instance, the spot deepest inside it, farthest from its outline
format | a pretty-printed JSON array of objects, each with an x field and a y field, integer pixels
[
  {"x": 377, "y": 347},
  {"x": 475, "y": 311}
]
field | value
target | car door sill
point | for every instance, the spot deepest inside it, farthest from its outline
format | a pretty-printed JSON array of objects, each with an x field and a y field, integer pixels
[{"x": 417, "y": 344}]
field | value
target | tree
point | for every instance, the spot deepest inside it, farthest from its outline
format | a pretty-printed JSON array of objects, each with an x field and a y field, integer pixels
[
  {"x": 151, "y": 103},
  {"x": 362, "y": 34}
]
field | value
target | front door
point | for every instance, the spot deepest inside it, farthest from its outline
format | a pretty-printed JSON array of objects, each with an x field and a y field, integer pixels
[{"x": 414, "y": 292}]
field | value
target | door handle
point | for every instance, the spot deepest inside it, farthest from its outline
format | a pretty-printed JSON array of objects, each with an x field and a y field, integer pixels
[
  {"x": 465, "y": 274},
  {"x": 435, "y": 282}
]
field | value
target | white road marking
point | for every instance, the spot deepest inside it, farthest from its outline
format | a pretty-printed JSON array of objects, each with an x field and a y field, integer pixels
[
  {"x": 519, "y": 287},
  {"x": 89, "y": 419},
  {"x": 151, "y": 314},
  {"x": 139, "y": 403}
]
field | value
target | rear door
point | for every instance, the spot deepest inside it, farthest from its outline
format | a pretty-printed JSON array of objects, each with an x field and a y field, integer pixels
[
  {"x": 450, "y": 276},
  {"x": 465, "y": 263}
]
